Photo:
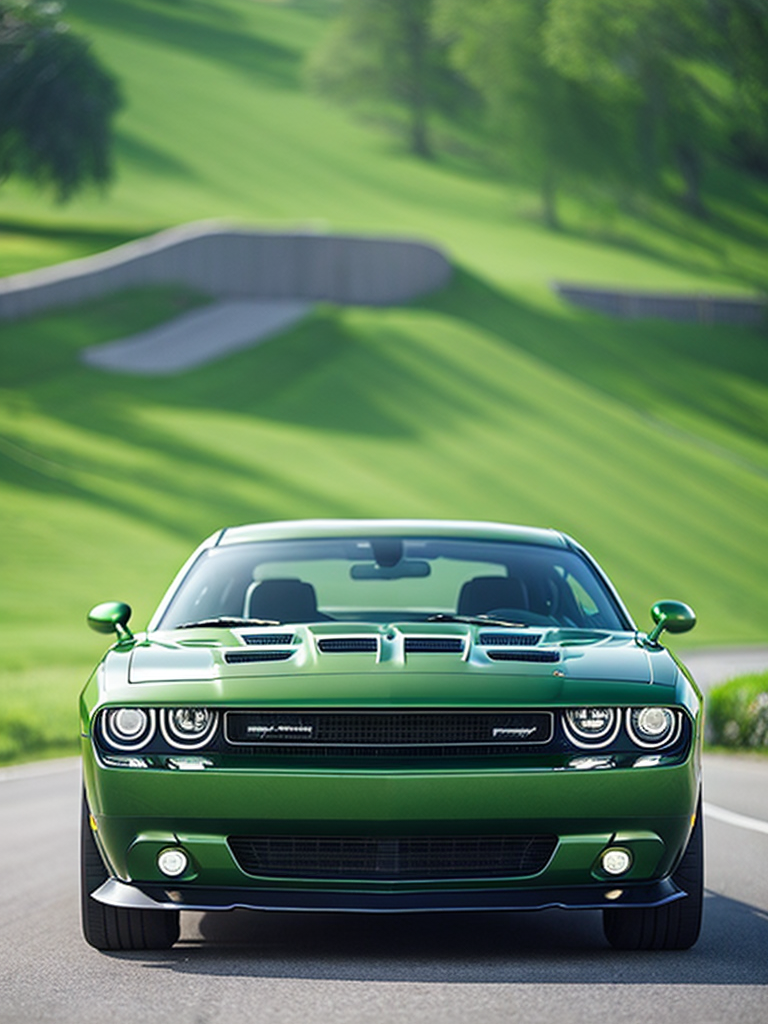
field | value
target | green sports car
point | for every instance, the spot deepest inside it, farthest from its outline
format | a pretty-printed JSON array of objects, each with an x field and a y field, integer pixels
[{"x": 388, "y": 716}]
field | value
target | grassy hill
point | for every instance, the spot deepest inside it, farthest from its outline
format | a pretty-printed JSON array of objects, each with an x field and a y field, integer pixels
[{"x": 647, "y": 441}]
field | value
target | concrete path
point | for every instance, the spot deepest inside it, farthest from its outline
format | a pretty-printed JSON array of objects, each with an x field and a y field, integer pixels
[
  {"x": 198, "y": 337},
  {"x": 711, "y": 666}
]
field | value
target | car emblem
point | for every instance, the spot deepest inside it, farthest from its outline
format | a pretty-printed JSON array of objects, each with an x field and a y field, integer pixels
[{"x": 262, "y": 731}]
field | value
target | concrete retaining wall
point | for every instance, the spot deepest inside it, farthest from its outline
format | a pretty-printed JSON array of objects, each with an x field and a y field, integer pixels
[
  {"x": 703, "y": 309},
  {"x": 232, "y": 262}
]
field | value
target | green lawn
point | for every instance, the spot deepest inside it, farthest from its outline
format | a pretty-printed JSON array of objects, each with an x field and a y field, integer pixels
[{"x": 647, "y": 441}]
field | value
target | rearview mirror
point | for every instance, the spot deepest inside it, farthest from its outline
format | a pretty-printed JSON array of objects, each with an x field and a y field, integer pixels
[{"x": 404, "y": 568}]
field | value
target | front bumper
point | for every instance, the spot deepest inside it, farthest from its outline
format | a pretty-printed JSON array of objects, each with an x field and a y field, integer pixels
[{"x": 138, "y": 813}]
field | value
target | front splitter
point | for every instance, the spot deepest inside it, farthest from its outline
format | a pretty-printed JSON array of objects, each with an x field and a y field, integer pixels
[{"x": 152, "y": 897}]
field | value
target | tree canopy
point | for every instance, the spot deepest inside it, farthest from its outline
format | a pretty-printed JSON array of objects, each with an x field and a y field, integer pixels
[
  {"x": 387, "y": 50},
  {"x": 56, "y": 101},
  {"x": 629, "y": 95}
]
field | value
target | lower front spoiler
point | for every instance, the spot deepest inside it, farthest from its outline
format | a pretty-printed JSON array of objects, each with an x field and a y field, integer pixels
[{"x": 154, "y": 897}]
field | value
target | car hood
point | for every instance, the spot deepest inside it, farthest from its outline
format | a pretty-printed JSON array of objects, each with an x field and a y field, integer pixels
[{"x": 408, "y": 664}]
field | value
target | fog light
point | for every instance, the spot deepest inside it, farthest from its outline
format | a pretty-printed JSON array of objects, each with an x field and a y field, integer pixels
[
  {"x": 188, "y": 764},
  {"x": 590, "y": 761},
  {"x": 616, "y": 861},
  {"x": 172, "y": 862}
]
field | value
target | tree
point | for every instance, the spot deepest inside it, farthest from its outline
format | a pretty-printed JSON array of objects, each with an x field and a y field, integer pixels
[
  {"x": 385, "y": 50},
  {"x": 56, "y": 101},
  {"x": 742, "y": 52},
  {"x": 655, "y": 56},
  {"x": 544, "y": 124}
]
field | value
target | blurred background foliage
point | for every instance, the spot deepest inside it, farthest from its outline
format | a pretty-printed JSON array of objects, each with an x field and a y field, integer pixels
[{"x": 619, "y": 145}]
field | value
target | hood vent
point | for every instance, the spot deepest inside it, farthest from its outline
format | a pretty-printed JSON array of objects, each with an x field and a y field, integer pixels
[
  {"x": 434, "y": 645},
  {"x": 539, "y": 656},
  {"x": 263, "y": 639},
  {"x": 510, "y": 639},
  {"x": 245, "y": 657},
  {"x": 348, "y": 645}
]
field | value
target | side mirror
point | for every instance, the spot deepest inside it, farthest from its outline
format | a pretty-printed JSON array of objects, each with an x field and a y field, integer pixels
[
  {"x": 673, "y": 616},
  {"x": 111, "y": 617}
]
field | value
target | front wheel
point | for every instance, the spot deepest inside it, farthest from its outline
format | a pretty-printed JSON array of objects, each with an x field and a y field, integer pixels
[
  {"x": 106, "y": 927},
  {"x": 675, "y": 925}
]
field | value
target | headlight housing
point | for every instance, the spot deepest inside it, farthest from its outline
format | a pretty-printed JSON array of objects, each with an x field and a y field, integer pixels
[
  {"x": 188, "y": 728},
  {"x": 591, "y": 727},
  {"x": 653, "y": 727},
  {"x": 128, "y": 728}
]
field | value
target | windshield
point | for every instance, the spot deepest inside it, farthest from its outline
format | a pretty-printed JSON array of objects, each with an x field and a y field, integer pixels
[{"x": 393, "y": 579}]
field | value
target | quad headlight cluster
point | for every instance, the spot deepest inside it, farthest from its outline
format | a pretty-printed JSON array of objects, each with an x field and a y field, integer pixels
[
  {"x": 649, "y": 727},
  {"x": 127, "y": 730},
  {"x": 130, "y": 729}
]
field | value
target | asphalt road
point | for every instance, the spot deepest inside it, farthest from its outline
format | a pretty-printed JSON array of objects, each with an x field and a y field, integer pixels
[{"x": 291, "y": 968}]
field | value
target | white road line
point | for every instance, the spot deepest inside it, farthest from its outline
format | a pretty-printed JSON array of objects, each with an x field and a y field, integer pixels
[{"x": 731, "y": 818}]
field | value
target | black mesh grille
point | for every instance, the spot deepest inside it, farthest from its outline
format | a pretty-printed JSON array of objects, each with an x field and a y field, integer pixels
[
  {"x": 263, "y": 639},
  {"x": 360, "y": 733},
  {"x": 242, "y": 657},
  {"x": 509, "y": 639},
  {"x": 395, "y": 858},
  {"x": 349, "y": 645},
  {"x": 433, "y": 645},
  {"x": 541, "y": 656}
]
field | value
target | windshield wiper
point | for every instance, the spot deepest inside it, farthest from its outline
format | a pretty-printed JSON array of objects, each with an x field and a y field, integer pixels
[
  {"x": 225, "y": 621},
  {"x": 473, "y": 620}
]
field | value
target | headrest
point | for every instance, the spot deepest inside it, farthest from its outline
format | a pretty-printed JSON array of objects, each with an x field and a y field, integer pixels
[
  {"x": 484, "y": 593},
  {"x": 287, "y": 600}
]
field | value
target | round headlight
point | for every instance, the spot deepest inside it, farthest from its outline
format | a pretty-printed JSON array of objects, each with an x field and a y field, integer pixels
[
  {"x": 591, "y": 727},
  {"x": 652, "y": 727},
  {"x": 190, "y": 728},
  {"x": 128, "y": 728}
]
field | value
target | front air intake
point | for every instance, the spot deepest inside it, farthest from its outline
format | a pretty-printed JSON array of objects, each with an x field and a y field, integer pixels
[
  {"x": 287, "y": 733},
  {"x": 394, "y": 858}
]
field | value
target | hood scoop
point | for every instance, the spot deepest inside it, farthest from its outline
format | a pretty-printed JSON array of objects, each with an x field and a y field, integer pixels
[
  {"x": 348, "y": 645},
  {"x": 434, "y": 645},
  {"x": 510, "y": 639},
  {"x": 248, "y": 657},
  {"x": 505, "y": 654},
  {"x": 267, "y": 639}
]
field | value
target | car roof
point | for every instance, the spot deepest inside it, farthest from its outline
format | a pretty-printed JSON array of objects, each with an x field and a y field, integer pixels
[{"x": 459, "y": 528}]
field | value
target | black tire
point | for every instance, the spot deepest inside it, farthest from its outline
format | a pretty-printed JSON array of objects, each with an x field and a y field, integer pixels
[
  {"x": 675, "y": 925},
  {"x": 106, "y": 927}
]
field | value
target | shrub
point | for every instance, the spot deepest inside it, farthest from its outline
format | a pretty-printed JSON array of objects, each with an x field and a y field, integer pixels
[
  {"x": 23, "y": 739},
  {"x": 737, "y": 713}
]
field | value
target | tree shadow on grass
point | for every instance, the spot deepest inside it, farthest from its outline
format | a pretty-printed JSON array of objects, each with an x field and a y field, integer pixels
[
  {"x": 649, "y": 365},
  {"x": 337, "y": 380},
  {"x": 97, "y": 238},
  {"x": 204, "y": 29}
]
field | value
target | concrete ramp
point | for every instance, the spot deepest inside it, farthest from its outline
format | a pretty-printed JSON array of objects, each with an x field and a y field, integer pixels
[{"x": 197, "y": 337}]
